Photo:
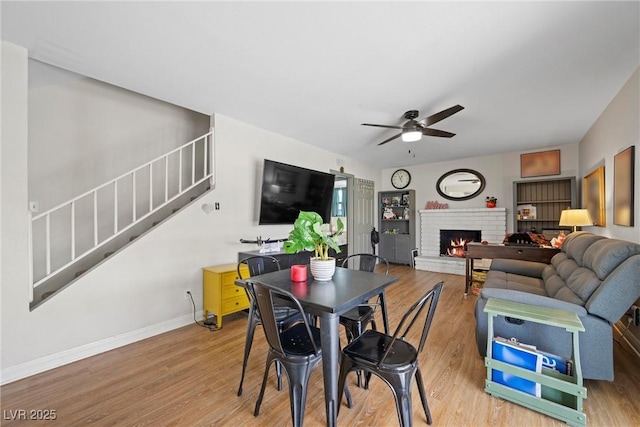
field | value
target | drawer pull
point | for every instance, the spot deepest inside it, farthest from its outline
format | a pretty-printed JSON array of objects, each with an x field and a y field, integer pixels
[{"x": 519, "y": 251}]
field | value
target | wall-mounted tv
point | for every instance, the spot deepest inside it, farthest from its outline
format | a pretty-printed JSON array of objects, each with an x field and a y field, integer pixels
[{"x": 288, "y": 189}]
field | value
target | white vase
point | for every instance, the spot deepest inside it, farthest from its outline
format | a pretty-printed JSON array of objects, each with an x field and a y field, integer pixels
[{"x": 322, "y": 270}]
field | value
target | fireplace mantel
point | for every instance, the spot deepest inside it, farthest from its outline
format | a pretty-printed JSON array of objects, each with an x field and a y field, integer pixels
[{"x": 492, "y": 222}]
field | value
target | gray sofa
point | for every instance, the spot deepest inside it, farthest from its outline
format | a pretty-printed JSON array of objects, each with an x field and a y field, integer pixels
[{"x": 594, "y": 276}]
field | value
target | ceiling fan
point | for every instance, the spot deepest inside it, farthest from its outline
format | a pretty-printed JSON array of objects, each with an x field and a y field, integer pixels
[{"x": 414, "y": 129}]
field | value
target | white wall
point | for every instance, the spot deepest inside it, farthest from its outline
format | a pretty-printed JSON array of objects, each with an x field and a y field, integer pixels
[
  {"x": 616, "y": 129},
  {"x": 139, "y": 292},
  {"x": 83, "y": 132}
]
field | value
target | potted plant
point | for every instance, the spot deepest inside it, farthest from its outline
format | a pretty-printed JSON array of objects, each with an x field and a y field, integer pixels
[
  {"x": 491, "y": 201},
  {"x": 309, "y": 234}
]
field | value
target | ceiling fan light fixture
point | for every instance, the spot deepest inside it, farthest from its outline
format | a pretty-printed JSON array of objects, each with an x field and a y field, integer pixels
[{"x": 412, "y": 135}]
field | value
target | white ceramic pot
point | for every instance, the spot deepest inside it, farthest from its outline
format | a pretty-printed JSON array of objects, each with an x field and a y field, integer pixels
[{"x": 322, "y": 270}]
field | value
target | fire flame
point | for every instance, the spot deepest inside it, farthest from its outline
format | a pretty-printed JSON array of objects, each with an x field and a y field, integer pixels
[{"x": 456, "y": 248}]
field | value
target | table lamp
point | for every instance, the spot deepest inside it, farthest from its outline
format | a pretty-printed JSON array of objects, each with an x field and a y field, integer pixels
[{"x": 575, "y": 218}]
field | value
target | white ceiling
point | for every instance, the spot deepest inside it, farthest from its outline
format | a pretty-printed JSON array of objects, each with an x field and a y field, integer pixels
[{"x": 529, "y": 74}]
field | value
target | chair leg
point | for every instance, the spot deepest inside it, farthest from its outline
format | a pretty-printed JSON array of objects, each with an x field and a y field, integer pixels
[
  {"x": 251, "y": 328},
  {"x": 401, "y": 383},
  {"x": 298, "y": 375},
  {"x": 345, "y": 367},
  {"x": 279, "y": 375},
  {"x": 423, "y": 396},
  {"x": 256, "y": 411},
  {"x": 403, "y": 405}
]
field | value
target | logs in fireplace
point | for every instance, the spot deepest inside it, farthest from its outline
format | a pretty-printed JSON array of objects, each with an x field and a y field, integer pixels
[{"x": 453, "y": 243}]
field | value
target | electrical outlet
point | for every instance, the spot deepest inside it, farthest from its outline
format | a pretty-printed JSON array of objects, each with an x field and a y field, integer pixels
[{"x": 187, "y": 294}]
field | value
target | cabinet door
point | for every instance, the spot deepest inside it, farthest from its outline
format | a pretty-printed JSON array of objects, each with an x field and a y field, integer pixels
[
  {"x": 386, "y": 246},
  {"x": 403, "y": 249}
]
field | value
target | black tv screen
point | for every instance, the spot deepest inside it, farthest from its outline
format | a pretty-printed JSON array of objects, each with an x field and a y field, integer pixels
[{"x": 288, "y": 189}]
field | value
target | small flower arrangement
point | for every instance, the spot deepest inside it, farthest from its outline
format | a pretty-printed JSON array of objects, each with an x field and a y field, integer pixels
[{"x": 491, "y": 201}]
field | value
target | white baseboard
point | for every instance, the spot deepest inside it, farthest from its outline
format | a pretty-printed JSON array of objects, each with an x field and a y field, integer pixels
[{"x": 18, "y": 372}]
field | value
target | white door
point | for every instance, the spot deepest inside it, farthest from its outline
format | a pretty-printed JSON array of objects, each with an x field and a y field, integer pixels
[{"x": 361, "y": 215}]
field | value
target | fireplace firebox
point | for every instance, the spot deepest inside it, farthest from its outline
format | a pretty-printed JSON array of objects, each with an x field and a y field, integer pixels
[{"x": 453, "y": 243}]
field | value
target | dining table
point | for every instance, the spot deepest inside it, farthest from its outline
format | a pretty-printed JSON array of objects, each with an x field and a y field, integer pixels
[{"x": 327, "y": 300}]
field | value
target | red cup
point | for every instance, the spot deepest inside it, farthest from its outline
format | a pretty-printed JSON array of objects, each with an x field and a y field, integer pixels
[{"x": 298, "y": 273}]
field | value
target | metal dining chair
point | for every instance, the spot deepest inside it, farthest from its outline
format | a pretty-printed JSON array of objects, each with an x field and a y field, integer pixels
[
  {"x": 285, "y": 315},
  {"x": 394, "y": 359},
  {"x": 297, "y": 348},
  {"x": 356, "y": 320}
]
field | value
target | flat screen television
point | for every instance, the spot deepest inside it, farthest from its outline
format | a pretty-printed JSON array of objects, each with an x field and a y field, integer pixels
[{"x": 288, "y": 189}]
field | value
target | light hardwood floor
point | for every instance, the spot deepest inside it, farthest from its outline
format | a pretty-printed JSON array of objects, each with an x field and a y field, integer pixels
[{"x": 189, "y": 377}]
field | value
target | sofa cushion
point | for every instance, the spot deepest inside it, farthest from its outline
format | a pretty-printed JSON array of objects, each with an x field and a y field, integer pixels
[
  {"x": 501, "y": 280},
  {"x": 604, "y": 256},
  {"x": 553, "y": 283},
  {"x": 576, "y": 244},
  {"x": 583, "y": 282}
]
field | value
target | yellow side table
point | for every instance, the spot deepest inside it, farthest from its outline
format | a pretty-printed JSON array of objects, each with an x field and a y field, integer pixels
[{"x": 220, "y": 294}]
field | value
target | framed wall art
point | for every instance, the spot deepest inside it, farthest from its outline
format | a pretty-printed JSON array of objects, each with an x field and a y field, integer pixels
[
  {"x": 593, "y": 193},
  {"x": 542, "y": 163},
  {"x": 623, "y": 187}
]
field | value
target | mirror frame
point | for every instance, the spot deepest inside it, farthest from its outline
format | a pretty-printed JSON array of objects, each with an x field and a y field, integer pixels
[{"x": 470, "y": 196}]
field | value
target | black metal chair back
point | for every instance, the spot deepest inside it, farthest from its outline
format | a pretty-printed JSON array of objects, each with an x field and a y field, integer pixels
[
  {"x": 393, "y": 358},
  {"x": 258, "y": 265},
  {"x": 355, "y": 321},
  {"x": 365, "y": 262},
  {"x": 297, "y": 348}
]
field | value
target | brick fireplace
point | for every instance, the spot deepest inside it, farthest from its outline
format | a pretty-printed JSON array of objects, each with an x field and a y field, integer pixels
[{"x": 491, "y": 222}]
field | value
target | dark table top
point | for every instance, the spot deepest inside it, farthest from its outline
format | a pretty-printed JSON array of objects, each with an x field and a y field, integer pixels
[{"x": 347, "y": 288}]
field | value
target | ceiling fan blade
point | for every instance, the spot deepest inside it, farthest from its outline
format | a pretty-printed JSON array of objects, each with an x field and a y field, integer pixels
[
  {"x": 382, "y": 126},
  {"x": 435, "y": 118},
  {"x": 390, "y": 139},
  {"x": 436, "y": 132}
]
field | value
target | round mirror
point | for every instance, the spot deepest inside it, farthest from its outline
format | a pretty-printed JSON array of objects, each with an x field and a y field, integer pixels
[{"x": 460, "y": 184}]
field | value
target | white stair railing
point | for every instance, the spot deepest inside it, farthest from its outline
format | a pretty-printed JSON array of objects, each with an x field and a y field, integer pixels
[{"x": 83, "y": 224}]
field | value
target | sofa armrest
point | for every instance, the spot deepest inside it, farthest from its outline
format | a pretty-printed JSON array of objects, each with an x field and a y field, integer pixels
[
  {"x": 532, "y": 299},
  {"x": 515, "y": 266}
]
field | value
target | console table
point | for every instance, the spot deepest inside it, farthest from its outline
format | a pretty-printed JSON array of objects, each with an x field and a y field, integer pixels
[
  {"x": 287, "y": 260},
  {"x": 477, "y": 250}
]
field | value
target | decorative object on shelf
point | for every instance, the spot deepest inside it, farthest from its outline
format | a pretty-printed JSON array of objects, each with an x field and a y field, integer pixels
[
  {"x": 593, "y": 191},
  {"x": 388, "y": 214},
  {"x": 309, "y": 234},
  {"x": 434, "y": 204},
  {"x": 405, "y": 214},
  {"x": 491, "y": 201},
  {"x": 575, "y": 218},
  {"x": 401, "y": 179},
  {"x": 460, "y": 184},
  {"x": 542, "y": 163},
  {"x": 526, "y": 212},
  {"x": 623, "y": 187}
]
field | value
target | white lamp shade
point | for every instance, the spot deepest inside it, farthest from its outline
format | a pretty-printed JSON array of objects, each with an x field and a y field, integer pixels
[{"x": 575, "y": 218}]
